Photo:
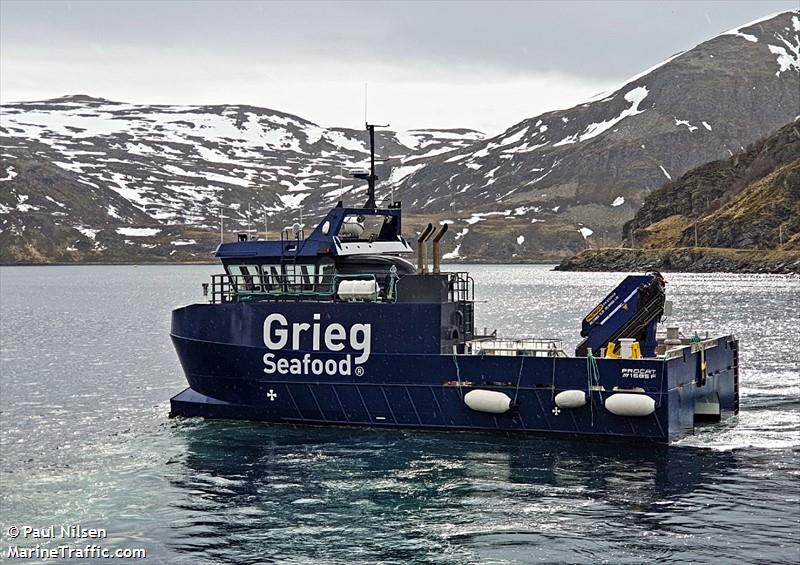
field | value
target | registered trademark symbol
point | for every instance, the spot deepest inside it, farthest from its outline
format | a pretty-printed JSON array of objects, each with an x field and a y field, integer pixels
[{"x": 359, "y": 371}]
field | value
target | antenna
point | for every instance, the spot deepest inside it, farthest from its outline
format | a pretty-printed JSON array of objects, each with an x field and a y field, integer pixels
[
  {"x": 365, "y": 103},
  {"x": 266, "y": 232},
  {"x": 221, "y": 224}
]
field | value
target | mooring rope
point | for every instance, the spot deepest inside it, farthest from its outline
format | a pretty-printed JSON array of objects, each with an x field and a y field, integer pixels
[
  {"x": 458, "y": 376},
  {"x": 519, "y": 378},
  {"x": 592, "y": 374}
]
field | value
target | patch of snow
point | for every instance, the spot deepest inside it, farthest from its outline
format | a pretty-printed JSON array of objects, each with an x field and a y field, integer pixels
[
  {"x": 215, "y": 177},
  {"x": 520, "y": 240},
  {"x": 480, "y": 216},
  {"x": 408, "y": 139},
  {"x": 293, "y": 200},
  {"x": 111, "y": 211},
  {"x": 88, "y": 232},
  {"x": 453, "y": 254},
  {"x": 10, "y": 173},
  {"x": 515, "y": 137},
  {"x": 618, "y": 201},
  {"x": 666, "y": 174},
  {"x": 183, "y": 242},
  {"x": 56, "y": 202},
  {"x": 567, "y": 140},
  {"x": 461, "y": 234},
  {"x": 705, "y": 125},
  {"x": 340, "y": 139},
  {"x": 490, "y": 174},
  {"x": 635, "y": 97},
  {"x": 585, "y": 232},
  {"x": 685, "y": 123},
  {"x": 401, "y": 172},
  {"x": 481, "y": 153},
  {"x": 72, "y": 167},
  {"x": 556, "y": 209},
  {"x": 747, "y": 36},
  {"x": 138, "y": 232},
  {"x": 786, "y": 60}
]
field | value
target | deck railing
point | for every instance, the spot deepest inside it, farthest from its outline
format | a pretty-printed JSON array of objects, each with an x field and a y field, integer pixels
[{"x": 310, "y": 287}]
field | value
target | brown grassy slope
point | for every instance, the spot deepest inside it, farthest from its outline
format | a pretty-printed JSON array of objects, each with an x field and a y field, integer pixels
[
  {"x": 668, "y": 215},
  {"x": 765, "y": 212}
]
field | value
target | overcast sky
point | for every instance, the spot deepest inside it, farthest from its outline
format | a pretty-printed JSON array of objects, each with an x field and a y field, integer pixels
[{"x": 483, "y": 65}]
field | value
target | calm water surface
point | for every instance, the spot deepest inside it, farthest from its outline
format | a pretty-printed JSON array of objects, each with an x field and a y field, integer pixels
[{"x": 87, "y": 371}]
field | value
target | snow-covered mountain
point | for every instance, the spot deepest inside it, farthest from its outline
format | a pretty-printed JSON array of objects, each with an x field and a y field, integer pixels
[
  {"x": 585, "y": 171},
  {"x": 88, "y": 179},
  {"x": 141, "y": 175}
]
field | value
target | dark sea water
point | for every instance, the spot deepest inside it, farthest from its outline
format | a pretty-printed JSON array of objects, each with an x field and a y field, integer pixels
[{"x": 88, "y": 370}]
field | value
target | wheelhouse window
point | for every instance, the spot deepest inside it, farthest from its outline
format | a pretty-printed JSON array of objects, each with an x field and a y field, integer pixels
[
  {"x": 272, "y": 278},
  {"x": 245, "y": 278}
]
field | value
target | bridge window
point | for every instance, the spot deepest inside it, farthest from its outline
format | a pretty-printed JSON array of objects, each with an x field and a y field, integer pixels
[{"x": 245, "y": 277}]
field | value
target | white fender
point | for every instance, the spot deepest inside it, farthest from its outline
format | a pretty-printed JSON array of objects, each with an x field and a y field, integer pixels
[
  {"x": 627, "y": 404},
  {"x": 570, "y": 399},
  {"x": 489, "y": 401}
]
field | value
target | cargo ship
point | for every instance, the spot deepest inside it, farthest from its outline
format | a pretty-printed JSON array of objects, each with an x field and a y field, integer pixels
[{"x": 339, "y": 328}]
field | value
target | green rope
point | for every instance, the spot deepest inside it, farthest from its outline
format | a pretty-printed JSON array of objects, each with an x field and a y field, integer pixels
[{"x": 592, "y": 374}]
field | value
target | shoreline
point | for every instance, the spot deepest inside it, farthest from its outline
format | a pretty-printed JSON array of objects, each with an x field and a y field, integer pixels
[{"x": 686, "y": 259}]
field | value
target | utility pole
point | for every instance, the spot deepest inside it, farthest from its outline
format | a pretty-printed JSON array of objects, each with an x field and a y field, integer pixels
[
  {"x": 266, "y": 233},
  {"x": 221, "y": 224}
]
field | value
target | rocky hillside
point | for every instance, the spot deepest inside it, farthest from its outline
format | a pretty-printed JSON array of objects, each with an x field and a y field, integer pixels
[
  {"x": 586, "y": 170},
  {"x": 740, "y": 213},
  {"x": 87, "y": 179}
]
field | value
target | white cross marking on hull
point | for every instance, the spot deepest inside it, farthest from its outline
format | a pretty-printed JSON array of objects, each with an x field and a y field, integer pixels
[{"x": 272, "y": 395}]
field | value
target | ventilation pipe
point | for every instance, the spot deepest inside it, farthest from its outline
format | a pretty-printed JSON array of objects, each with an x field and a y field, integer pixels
[
  {"x": 422, "y": 250},
  {"x": 437, "y": 248}
]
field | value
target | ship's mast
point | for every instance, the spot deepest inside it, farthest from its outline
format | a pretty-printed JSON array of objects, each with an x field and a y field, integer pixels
[{"x": 372, "y": 177}]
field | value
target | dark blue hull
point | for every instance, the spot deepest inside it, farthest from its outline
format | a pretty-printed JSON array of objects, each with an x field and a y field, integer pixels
[{"x": 233, "y": 374}]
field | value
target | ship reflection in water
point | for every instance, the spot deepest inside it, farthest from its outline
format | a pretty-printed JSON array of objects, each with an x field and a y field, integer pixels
[{"x": 330, "y": 495}]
